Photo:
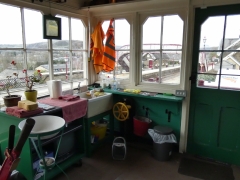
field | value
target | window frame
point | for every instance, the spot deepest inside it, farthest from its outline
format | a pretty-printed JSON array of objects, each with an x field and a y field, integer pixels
[
  {"x": 128, "y": 17},
  {"x": 49, "y": 48},
  {"x": 162, "y": 88},
  {"x": 204, "y": 14},
  {"x": 134, "y": 19}
]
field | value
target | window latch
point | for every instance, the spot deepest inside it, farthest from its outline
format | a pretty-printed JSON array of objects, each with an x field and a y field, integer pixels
[{"x": 193, "y": 79}]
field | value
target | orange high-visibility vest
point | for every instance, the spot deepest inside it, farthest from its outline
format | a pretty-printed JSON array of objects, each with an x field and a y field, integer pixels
[
  {"x": 109, "y": 54},
  {"x": 97, "y": 47}
]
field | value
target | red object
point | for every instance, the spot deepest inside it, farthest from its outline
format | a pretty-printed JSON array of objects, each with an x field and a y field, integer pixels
[
  {"x": 69, "y": 97},
  {"x": 150, "y": 63},
  {"x": 140, "y": 127},
  {"x": 200, "y": 82},
  {"x": 21, "y": 113},
  {"x": 12, "y": 154}
]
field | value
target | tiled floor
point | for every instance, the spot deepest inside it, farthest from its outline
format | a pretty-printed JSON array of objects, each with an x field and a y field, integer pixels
[{"x": 138, "y": 165}]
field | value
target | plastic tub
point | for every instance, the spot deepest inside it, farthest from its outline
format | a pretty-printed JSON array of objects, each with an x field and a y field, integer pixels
[
  {"x": 141, "y": 125},
  {"x": 99, "y": 130}
]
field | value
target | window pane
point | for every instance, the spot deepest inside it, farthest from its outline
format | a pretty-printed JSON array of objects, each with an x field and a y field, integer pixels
[
  {"x": 123, "y": 65},
  {"x": 208, "y": 62},
  {"x": 78, "y": 34},
  {"x": 230, "y": 81},
  {"x": 64, "y": 43},
  {"x": 122, "y": 46},
  {"x": 231, "y": 62},
  {"x": 151, "y": 33},
  {"x": 6, "y": 57},
  {"x": 61, "y": 65},
  {"x": 212, "y": 33},
  {"x": 38, "y": 60},
  {"x": 11, "y": 28},
  {"x": 9, "y": 70},
  {"x": 172, "y": 31},
  {"x": 78, "y": 67},
  {"x": 170, "y": 67},
  {"x": 207, "y": 80},
  {"x": 34, "y": 30},
  {"x": 162, "y": 66},
  {"x": 232, "y": 35},
  {"x": 122, "y": 33}
]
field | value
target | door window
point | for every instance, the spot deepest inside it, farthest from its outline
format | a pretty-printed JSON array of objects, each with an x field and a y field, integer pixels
[{"x": 219, "y": 53}]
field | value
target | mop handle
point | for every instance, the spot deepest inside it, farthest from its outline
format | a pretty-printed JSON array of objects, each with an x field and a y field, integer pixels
[{"x": 24, "y": 135}]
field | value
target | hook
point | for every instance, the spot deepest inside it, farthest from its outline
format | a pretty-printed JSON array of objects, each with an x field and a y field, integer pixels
[
  {"x": 169, "y": 114},
  {"x": 147, "y": 113}
]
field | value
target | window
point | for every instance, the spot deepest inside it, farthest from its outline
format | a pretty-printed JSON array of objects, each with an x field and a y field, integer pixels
[
  {"x": 21, "y": 40},
  {"x": 219, "y": 53},
  {"x": 69, "y": 52},
  {"x": 161, "y": 50}
]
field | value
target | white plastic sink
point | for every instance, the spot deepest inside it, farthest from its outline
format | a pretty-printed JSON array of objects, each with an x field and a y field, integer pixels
[
  {"x": 97, "y": 105},
  {"x": 44, "y": 124}
]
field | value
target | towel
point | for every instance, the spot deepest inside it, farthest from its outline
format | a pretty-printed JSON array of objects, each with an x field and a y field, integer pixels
[
  {"x": 69, "y": 97},
  {"x": 97, "y": 47},
  {"x": 22, "y": 113},
  {"x": 71, "y": 110},
  {"x": 109, "y": 53}
]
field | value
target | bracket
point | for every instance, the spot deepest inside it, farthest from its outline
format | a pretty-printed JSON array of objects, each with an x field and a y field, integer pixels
[{"x": 181, "y": 93}]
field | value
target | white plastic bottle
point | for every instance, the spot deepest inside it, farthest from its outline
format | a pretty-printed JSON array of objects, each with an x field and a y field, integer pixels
[
  {"x": 114, "y": 84},
  {"x": 104, "y": 84}
]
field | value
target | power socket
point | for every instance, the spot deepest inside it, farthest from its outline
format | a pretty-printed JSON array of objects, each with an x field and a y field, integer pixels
[{"x": 181, "y": 93}]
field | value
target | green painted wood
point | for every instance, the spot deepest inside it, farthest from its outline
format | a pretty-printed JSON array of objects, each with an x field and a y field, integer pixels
[
  {"x": 6, "y": 121},
  {"x": 90, "y": 148},
  {"x": 157, "y": 112},
  {"x": 26, "y": 162},
  {"x": 214, "y": 114},
  {"x": 158, "y": 96}
]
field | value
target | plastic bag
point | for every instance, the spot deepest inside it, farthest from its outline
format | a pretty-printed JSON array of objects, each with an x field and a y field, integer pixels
[{"x": 159, "y": 138}]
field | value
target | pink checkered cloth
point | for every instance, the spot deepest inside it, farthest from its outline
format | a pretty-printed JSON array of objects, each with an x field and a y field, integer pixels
[
  {"x": 21, "y": 113},
  {"x": 69, "y": 97},
  {"x": 71, "y": 110}
]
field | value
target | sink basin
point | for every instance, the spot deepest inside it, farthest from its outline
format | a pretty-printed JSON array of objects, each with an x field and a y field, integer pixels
[
  {"x": 44, "y": 125},
  {"x": 97, "y": 105}
]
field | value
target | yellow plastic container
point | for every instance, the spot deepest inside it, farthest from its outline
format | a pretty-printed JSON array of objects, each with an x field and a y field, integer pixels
[{"x": 99, "y": 130}]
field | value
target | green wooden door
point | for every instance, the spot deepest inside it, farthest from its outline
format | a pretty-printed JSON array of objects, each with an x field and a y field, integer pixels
[{"x": 214, "y": 119}]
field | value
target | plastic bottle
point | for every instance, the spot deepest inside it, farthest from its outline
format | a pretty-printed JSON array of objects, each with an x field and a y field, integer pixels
[
  {"x": 108, "y": 81},
  {"x": 114, "y": 84},
  {"x": 118, "y": 85},
  {"x": 104, "y": 84}
]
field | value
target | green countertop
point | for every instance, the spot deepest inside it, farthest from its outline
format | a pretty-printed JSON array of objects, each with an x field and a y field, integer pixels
[{"x": 156, "y": 96}]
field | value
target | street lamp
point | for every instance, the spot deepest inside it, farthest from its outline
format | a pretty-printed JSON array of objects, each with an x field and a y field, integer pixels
[{"x": 204, "y": 41}]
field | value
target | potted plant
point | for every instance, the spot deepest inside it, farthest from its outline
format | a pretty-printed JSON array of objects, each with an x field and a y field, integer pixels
[
  {"x": 30, "y": 81},
  {"x": 11, "y": 81}
]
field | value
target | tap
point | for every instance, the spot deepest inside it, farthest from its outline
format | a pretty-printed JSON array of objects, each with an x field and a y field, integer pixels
[{"x": 79, "y": 87}]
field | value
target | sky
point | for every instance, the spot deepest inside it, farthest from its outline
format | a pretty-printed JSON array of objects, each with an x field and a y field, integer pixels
[
  {"x": 212, "y": 29},
  {"x": 11, "y": 32}
]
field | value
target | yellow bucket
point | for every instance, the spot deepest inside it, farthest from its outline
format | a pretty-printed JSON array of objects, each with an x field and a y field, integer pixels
[{"x": 99, "y": 130}]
